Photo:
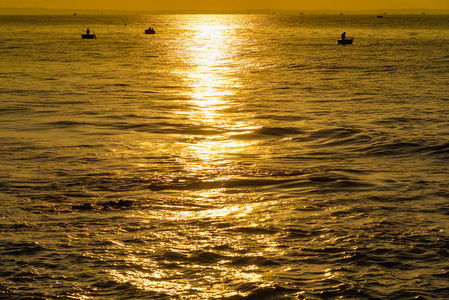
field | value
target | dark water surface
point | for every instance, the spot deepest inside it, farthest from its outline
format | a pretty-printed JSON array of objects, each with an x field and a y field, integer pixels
[{"x": 226, "y": 156}]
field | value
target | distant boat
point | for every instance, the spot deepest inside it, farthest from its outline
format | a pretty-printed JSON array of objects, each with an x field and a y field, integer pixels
[
  {"x": 380, "y": 16},
  {"x": 346, "y": 41},
  {"x": 88, "y": 35},
  {"x": 150, "y": 31}
]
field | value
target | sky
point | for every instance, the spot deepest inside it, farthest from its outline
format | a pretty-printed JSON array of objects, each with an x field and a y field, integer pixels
[{"x": 228, "y": 4}]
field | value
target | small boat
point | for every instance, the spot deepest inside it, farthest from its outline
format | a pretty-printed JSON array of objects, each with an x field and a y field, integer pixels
[
  {"x": 150, "y": 31},
  {"x": 380, "y": 16},
  {"x": 88, "y": 35},
  {"x": 346, "y": 41}
]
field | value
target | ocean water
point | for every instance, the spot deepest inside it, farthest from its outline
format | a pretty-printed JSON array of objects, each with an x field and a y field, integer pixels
[{"x": 226, "y": 156}]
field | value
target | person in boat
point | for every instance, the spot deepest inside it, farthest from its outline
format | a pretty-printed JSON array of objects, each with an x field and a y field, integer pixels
[
  {"x": 343, "y": 36},
  {"x": 87, "y": 31}
]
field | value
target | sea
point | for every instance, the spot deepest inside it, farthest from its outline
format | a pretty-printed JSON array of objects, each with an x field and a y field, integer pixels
[{"x": 244, "y": 156}]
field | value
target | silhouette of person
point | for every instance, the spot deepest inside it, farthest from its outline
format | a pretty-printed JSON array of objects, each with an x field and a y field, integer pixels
[
  {"x": 343, "y": 36},
  {"x": 87, "y": 31}
]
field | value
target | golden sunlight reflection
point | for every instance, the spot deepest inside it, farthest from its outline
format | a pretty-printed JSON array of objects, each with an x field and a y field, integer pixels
[
  {"x": 190, "y": 245},
  {"x": 229, "y": 211},
  {"x": 211, "y": 79},
  {"x": 235, "y": 210},
  {"x": 174, "y": 285},
  {"x": 204, "y": 149},
  {"x": 147, "y": 281},
  {"x": 210, "y": 75}
]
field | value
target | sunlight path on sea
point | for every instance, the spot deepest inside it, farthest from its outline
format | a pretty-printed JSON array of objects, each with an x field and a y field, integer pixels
[
  {"x": 210, "y": 156},
  {"x": 211, "y": 79}
]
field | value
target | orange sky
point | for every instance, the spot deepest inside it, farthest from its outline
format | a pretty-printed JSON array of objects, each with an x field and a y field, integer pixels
[{"x": 230, "y": 4}]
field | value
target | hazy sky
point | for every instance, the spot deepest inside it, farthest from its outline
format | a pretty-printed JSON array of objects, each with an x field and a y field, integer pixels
[{"x": 229, "y": 4}]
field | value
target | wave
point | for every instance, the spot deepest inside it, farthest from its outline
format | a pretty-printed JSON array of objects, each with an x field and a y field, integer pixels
[
  {"x": 22, "y": 248},
  {"x": 255, "y": 292},
  {"x": 440, "y": 151}
]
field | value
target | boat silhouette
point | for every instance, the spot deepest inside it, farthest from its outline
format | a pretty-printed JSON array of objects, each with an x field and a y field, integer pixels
[
  {"x": 88, "y": 35},
  {"x": 346, "y": 41},
  {"x": 150, "y": 31}
]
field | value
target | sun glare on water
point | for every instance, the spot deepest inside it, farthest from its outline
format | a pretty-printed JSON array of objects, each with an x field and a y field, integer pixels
[
  {"x": 211, "y": 79},
  {"x": 207, "y": 156}
]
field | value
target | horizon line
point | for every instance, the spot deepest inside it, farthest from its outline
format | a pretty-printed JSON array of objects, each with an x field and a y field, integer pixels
[{"x": 228, "y": 11}]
